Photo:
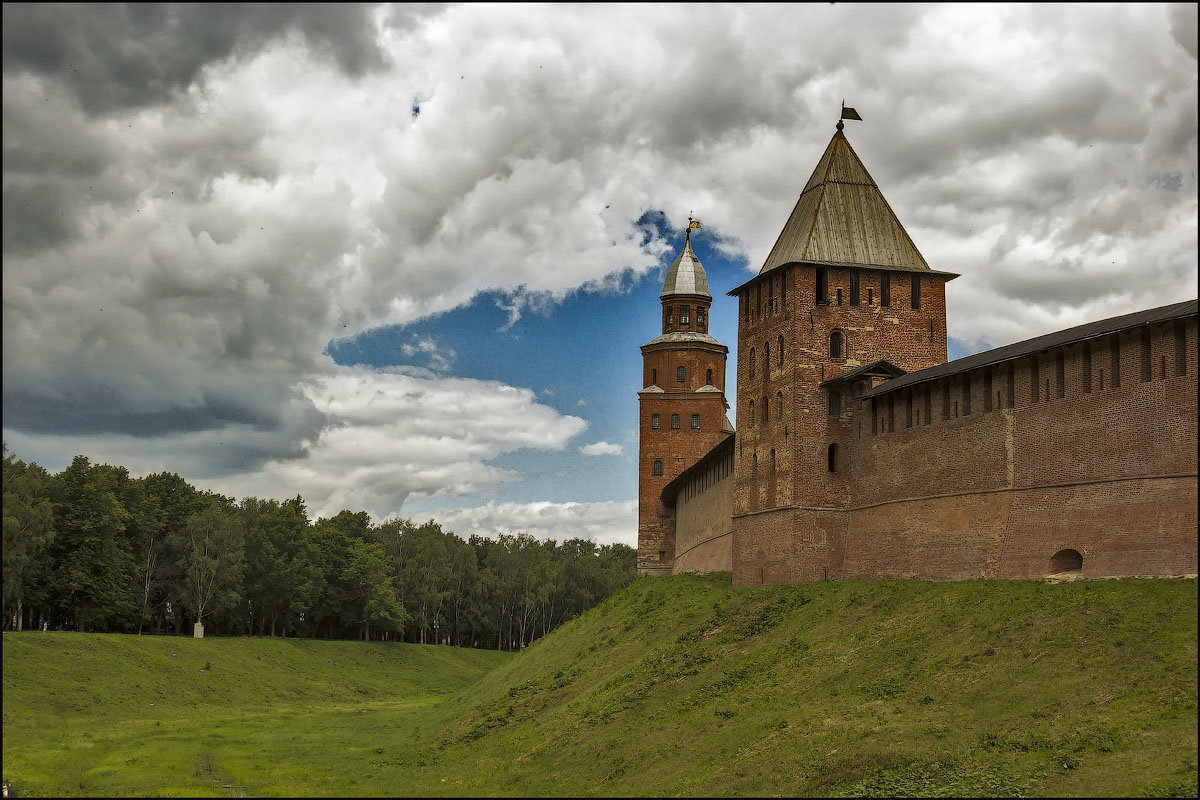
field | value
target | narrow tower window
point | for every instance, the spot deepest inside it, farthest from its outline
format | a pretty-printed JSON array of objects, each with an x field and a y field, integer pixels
[
  {"x": 854, "y": 287},
  {"x": 766, "y": 359},
  {"x": 822, "y": 286},
  {"x": 766, "y": 409},
  {"x": 885, "y": 289},
  {"x": 835, "y": 404},
  {"x": 752, "y": 363},
  {"x": 708, "y": 378},
  {"x": 654, "y": 377},
  {"x": 916, "y": 291},
  {"x": 695, "y": 422},
  {"x": 657, "y": 468},
  {"x": 839, "y": 296},
  {"x": 779, "y": 404},
  {"x": 685, "y": 315},
  {"x": 670, "y": 315},
  {"x": 1087, "y": 367},
  {"x": 835, "y": 344},
  {"x": 1146, "y": 356},
  {"x": 1180, "y": 347},
  {"x": 833, "y": 457},
  {"x": 680, "y": 374},
  {"x": 779, "y": 350},
  {"x": 700, "y": 320},
  {"x": 654, "y": 422},
  {"x": 674, "y": 422},
  {"x": 870, "y": 295},
  {"x": 752, "y": 419},
  {"x": 772, "y": 459},
  {"x": 1114, "y": 343}
]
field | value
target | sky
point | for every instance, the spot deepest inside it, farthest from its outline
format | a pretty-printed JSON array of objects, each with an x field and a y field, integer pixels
[{"x": 400, "y": 258}]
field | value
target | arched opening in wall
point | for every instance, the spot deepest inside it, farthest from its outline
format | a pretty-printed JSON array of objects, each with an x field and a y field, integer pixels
[
  {"x": 1066, "y": 561},
  {"x": 836, "y": 344},
  {"x": 779, "y": 350},
  {"x": 654, "y": 377},
  {"x": 833, "y": 457},
  {"x": 708, "y": 377}
]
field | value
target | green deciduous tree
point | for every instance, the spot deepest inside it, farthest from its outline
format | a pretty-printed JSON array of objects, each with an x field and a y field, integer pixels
[
  {"x": 28, "y": 530},
  {"x": 371, "y": 593},
  {"x": 213, "y": 561}
]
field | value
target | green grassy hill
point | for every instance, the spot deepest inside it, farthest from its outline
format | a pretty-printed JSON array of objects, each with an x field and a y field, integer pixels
[{"x": 682, "y": 686}]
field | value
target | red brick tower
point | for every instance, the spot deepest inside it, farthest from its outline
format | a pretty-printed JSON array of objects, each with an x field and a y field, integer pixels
[
  {"x": 844, "y": 287},
  {"x": 682, "y": 408}
]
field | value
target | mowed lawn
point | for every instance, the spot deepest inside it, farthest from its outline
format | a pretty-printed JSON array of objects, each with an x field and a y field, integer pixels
[{"x": 673, "y": 687}]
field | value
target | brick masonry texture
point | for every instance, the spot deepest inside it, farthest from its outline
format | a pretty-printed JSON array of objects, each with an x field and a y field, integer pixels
[{"x": 1019, "y": 469}]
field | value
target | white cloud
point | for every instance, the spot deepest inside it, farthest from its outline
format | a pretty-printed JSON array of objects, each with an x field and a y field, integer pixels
[
  {"x": 601, "y": 449},
  {"x": 174, "y": 269},
  {"x": 603, "y": 523},
  {"x": 387, "y": 436}
]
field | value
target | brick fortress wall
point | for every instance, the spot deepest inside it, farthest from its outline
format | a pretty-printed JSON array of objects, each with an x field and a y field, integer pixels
[{"x": 989, "y": 477}]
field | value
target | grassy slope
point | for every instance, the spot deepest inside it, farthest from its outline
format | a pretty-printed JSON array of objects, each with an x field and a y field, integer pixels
[
  {"x": 114, "y": 714},
  {"x": 677, "y": 686}
]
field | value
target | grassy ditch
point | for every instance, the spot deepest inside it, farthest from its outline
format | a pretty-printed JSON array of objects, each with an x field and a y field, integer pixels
[{"x": 681, "y": 686}]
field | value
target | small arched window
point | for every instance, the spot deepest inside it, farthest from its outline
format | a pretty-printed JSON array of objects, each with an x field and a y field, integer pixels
[
  {"x": 766, "y": 409},
  {"x": 708, "y": 378},
  {"x": 833, "y": 457},
  {"x": 654, "y": 377},
  {"x": 779, "y": 350},
  {"x": 836, "y": 344},
  {"x": 680, "y": 374},
  {"x": 654, "y": 422},
  {"x": 835, "y": 404},
  {"x": 751, "y": 362},
  {"x": 674, "y": 422},
  {"x": 657, "y": 468},
  {"x": 766, "y": 359}
]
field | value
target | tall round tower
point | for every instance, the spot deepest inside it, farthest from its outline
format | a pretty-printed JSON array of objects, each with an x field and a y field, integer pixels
[{"x": 682, "y": 407}]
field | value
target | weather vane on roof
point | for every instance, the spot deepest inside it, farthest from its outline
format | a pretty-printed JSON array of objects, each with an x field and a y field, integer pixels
[
  {"x": 847, "y": 113},
  {"x": 692, "y": 223}
]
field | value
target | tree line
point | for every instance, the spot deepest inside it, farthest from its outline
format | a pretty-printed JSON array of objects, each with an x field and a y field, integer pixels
[{"x": 93, "y": 549}]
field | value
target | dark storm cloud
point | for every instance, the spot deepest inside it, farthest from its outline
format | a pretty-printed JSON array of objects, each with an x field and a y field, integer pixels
[
  {"x": 196, "y": 198},
  {"x": 129, "y": 55}
]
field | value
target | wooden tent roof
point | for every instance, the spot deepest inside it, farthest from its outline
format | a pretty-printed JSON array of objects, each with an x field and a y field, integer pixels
[{"x": 843, "y": 219}]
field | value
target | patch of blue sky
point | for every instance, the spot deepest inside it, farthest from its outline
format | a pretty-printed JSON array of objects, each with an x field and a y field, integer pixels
[{"x": 580, "y": 356}]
